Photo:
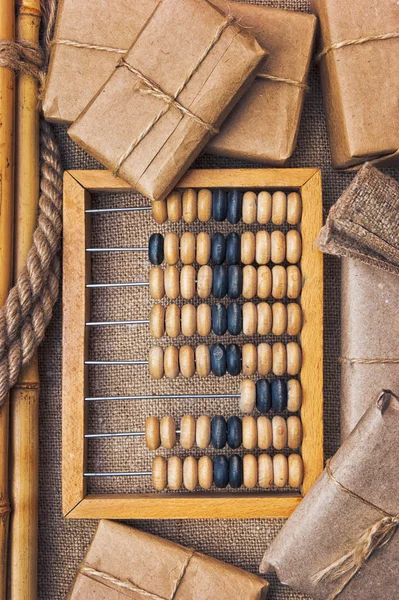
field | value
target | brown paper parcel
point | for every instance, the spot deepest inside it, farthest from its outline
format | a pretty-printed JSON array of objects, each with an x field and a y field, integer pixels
[
  {"x": 329, "y": 521},
  {"x": 360, "y": 80},
  {"x": 184, "y": 73},
  {"x": 125, "y": 562}
]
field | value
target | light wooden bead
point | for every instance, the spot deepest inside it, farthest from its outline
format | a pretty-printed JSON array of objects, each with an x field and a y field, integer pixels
[
  {"x": 265, "y": 361},
  {"x": 247, "y": 395},
  {"x": 187, "y": 432},
  {"x": 203, "y": 360},
  {"x": 280, "y": 470},
  {"x": 248, "y": 247},
  {"x": 187, "y": 282},
  {"x": 294, "y": 246},
  {"x": 171, "y": 248},
  {"x": 152, "y": 433},
  {"x": 279, "y": 359},
  {"x": 186, "y": 361},
  {"x": 157, "y": 321},
  {"x": 264, "y": 212},
  {"x": 249, "y": 208},
  {"x": 279, "y": 318},
  {"x": 277, "y": 242},
  {"x": 294, "y": 358},
  {"x": 249, "y": 318},
  {"x": 204, "y": 281},
  {"x": 156, "y": 283},
  {"x": 171, "y": 362},
  {"x": 294, "y": 390},
  {"x": 187, "y": 248},
  {"x": 249, "y": 433},
  {"x": 205, "y": 472},
  {"x": 204, "y": 319},
  {"x": 203, "y": 248},
  {"x": 264, "y": 283},
  {"x": 175, "y": 473},
  {"x": 159, "y": 479},
  {"x": 265, "y": 319},
  {"x": 279, "y": 279},
  {"x": 172, "y": 285},
  {"x": 294, "y": 429},
  {"x": 189, "y": 205},
  {"x": 265, "y": 471},
  {"x": 188, "y": 320},
  {"x": 174, "y": 206},
  {"x": 295, "y": 470},
  {"x": 294, "y": 208},
  {"x": 279, "y": 208},
  {"x": 159, "y": 211},
  {"x": 250, "y": 471},
  {"x": 203, "y": 431},
  {"x": 249, "y": 359},
  {"x": 249, "y": 282},
  {"x": 172, "y": 320},
  {"x": 168, "y": 432},
  {"x": 294, "y": 318},
  {"x": 190, "y": 473},
  {"x": 155, "y": 362},
  {"x": 279, "y": 427},
  {"x": 263, "y": 248},
  {"x": 294, "y": 282},
  {"x": 204, "y": 205},
  {"x": 265, "y": 432}
]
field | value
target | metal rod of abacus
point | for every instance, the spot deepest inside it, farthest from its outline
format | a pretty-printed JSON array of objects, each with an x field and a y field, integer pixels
[
  {"x": 96, "y": 211},
  {"x": 135, "y": 322},
  {"x": 120, "y": 474},
  {"x": 116, "y": 362},
  {"x": 162, "y": 397},
  {"x": 118, "y": 285},
  {"x": 137, "y": 249}
]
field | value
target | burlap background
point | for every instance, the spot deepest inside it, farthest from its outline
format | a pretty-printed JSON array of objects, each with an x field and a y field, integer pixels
[{"x": 64, "y": 543}]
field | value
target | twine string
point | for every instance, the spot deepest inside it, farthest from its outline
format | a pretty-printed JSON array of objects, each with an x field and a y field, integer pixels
[
  {"x": 299, "y": 84},
  {"x": 369, "y": 361},
  {"x": 357, "y": 42}
]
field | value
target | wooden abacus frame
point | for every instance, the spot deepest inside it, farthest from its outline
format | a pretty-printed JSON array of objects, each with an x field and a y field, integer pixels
[{"x": 76, "y": 502}]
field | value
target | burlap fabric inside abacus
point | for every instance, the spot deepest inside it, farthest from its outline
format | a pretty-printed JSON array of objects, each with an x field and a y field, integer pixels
[{"x": 63, "y": 543}]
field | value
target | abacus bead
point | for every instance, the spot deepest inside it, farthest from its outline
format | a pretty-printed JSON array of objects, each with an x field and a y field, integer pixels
[
  {"x": 157, "y": 321},
  {"x": 203, "y": 360},
  {"x": 205, "y": 472},
  {"x": 175, "y": 473},
  {"x": 171, "y": 248},
  {"x": 187, "y": 432},
  {"x": 264, "y": 282},
  {"x": 264, "y": 318},
  {"x": 294, "y": 358},
  {"x": 294, "y": 392},
  {"x": 171, "y": 362},
  {"x": 264, "y": 352},
  {"x": 249, "y": 318},
  {"x": 263, "y": 396},
  {"x": 203, "y": 248},
  {"x": 220, "y": 471},
  {"x": 249, "y": 208},
  {"x": 219, "y": 284},
  {"x": 174, "y": 206},
  {"x": 294, "y": 246},
  {"x": 294, "y": 429},
  {"x": 152, "y": 433},
  {"x": 279, "y": 427},
  {"x": 279, "y": 278},
  {"x": 250, "y": 470},
  {"x": 249, "y": 433},
  {"x": 203, "y": 432},
  {"x": 294, "y": 208},
  {"x": 235, "y": 471},
  {"x": 219, "y": 319},
  {"x": 204, "y": 319},
  {"x": 155, "y": 249},
  {"x": 279, "y": 359},
  {"x": 294, "y": 282},
  {"x": 168, "y": 432},
  {"x": 265, "y": 432},
  {"x": 279, "y": 318},
  {"x": 247, "y": 395},
  {"x": 295, "y": 470},
  {"x": 219, "y": 432},
  {"x": 234, "y": 281},
  {"x": 159, "y": 479},
  {"x": 218, "y": 248},
  {"x": 219, "y": 205},
  {"x": 204, "y": 205},
  {"x": 249, "y": 282},
  {"x": 294, "y": 318},
  {"x": 186, "y": 361},
  {"x": 262, "y": 255},
  {"x": 172, "y": 285},
  {"x": 218, "y": 360},
  {"x": 187, "y": 282},
  {"x": 156, "y": 283},
  {"x": 234, "y": 206},
  {"x": 249, "y": 359},
  {"x": 233, "y": 359},
  {"x": 187, "y": 248},
  {"x": 189, "y": 205},
  {"x": 264, "y": 212},
  {"x": 279, "y": 395},
  {"x": 279, "y": 208},
  {"x": 265, "y": 471},
  {"x": 234, "y": 318},
  {"x": 155, "y": 362},
  {"x": 233, "y": 248},
  {"x": 188, "y": 320},
  {"x": 172, "y": 320},
  {"x": 159, "y": 212},
  {"x": 247, "y": 248},
  {"x": 204, "y": 281},
  {"x": 280, "y": 470},
  {"x": 277, "y": 241},
  {"x": 234, "y": 432},
  {"x": 190, "y": 473}
]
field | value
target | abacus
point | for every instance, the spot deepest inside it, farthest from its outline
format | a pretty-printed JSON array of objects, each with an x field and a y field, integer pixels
[{"x": 231, "y": 287}]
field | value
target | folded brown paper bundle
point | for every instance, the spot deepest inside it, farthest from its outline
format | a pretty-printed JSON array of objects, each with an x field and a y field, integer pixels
[
  {"x": 170, "y": 94},
  {"x": 349, "y": 519},
  {"x": 125, "y": 562}
]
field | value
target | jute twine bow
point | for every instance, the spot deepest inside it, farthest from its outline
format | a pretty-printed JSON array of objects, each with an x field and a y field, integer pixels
[{"x": 357, "y": 42}]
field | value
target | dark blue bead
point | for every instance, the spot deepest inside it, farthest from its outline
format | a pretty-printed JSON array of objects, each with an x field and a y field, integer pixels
[
  {"x": 234, "y": 432},
  {"x": 219, "y": 319},
  {"x": 218, "y": 432},
  {"x": 234, "y": 207},
  {"x": 219, "y": 205},
  {"x": 220, "y": 471},
  {"x": 235, "y": 471},
  {"x": 233, "y": 359},
  {"x": 155, "y": 249},
  {"x": 218, "y": 248},
  {"x": 234, "y": 318},
  {"x": 218, "y": 360},
  {"x": 279, "y": 395},
  {"x": 235, "y": 281},
  {"x": 219, "y": 281},
  {"x": 263, "y": 396},
  {"x": 233, "y": 248}
]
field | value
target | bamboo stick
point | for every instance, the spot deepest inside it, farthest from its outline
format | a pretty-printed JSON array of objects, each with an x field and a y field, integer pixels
[
  {"x": 24, "y": 448},
  {"x": 7, "y": 97}
]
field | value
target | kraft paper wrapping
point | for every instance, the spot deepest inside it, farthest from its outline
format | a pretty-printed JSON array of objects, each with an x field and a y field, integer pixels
[
  {"x": 360, "y": 82},
  {"x": 170, "y": 46},
  {"x": 328, "y": 522},
  {"x": 121, "y": 558}
]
